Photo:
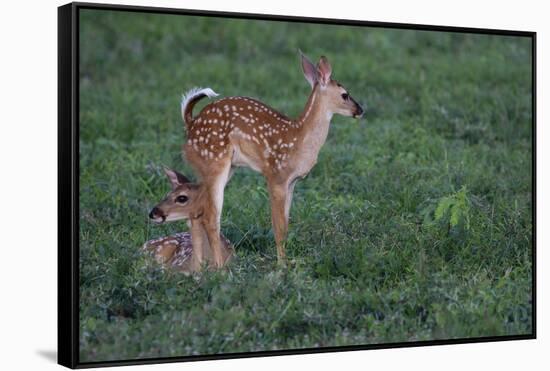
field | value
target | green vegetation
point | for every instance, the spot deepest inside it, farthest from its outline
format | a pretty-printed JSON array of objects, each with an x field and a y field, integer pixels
[{"x": 415, "y": 224}]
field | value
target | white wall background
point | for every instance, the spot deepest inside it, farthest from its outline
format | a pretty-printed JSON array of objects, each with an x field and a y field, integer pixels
[{"x": 28, "y": 164}]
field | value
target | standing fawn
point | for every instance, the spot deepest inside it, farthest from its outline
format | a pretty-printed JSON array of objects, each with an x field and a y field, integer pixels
[
  {"x": 185, "y": 251},
  {"x": 240, "y": 131}
]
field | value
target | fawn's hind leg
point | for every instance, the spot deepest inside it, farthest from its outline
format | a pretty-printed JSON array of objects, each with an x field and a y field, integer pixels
[{"x": 215, "y": 184}]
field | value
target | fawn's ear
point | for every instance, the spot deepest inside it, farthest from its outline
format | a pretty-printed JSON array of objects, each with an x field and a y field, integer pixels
[
  {"x": 325, "y": 70},
  {"x": 310, "y": 71},
  {"x": 176, "y": 179}
]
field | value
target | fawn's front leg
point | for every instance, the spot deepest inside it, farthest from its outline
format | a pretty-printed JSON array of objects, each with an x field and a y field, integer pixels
[{"x": 281, "y": 199}]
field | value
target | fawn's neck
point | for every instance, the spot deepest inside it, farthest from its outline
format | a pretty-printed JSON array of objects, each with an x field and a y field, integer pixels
[
  {"x": 314, "y": 110},
  {"x": 313, "y": 125}
]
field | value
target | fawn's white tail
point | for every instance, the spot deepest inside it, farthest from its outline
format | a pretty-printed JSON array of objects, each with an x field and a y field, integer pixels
[{"x": 191, "y": 97}]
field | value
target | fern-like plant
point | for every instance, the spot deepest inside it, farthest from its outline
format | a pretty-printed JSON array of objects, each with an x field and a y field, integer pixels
[{"x": 454, "y": 209}]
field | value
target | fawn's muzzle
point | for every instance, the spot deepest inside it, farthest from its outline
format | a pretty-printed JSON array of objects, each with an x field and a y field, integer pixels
[
  {"x": 358, "y": 112},
  {"x": 157, "y": 215}
]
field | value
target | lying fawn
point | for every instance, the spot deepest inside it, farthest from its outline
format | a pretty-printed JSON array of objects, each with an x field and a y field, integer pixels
[
  {"x": 240, "y": 131},
  {"x": 177, "y": 250},
  {"x": 188, "y": 250}
]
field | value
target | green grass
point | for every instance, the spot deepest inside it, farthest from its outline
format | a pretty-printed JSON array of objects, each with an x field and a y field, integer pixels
[{"x": 415, "y": 224}]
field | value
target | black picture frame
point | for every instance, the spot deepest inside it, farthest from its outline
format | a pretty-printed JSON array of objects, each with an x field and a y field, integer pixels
[{"x": 68, "y": 182}]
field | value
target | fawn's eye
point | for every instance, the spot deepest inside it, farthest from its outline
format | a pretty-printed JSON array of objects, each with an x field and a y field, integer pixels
[
  {"x": 181, "y": 199},
  {"x": 345, "y": 96}
]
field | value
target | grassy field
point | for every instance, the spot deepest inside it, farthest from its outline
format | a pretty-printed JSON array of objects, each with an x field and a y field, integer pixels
[{"x": 415, "y": 224}]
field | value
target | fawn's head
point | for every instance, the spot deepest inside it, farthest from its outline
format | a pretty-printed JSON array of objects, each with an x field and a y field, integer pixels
[
  {"x": 182, "y": 202},
  {"x": 337, "y": 98}
]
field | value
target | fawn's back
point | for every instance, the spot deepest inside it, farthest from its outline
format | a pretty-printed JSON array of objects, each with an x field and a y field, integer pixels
[{"x": 259, "y": 135}]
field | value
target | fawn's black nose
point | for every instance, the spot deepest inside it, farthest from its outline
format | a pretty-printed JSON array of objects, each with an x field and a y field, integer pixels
[
  {"x": 359, "y": 112},
  {"x": 155, "y": 213}
]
